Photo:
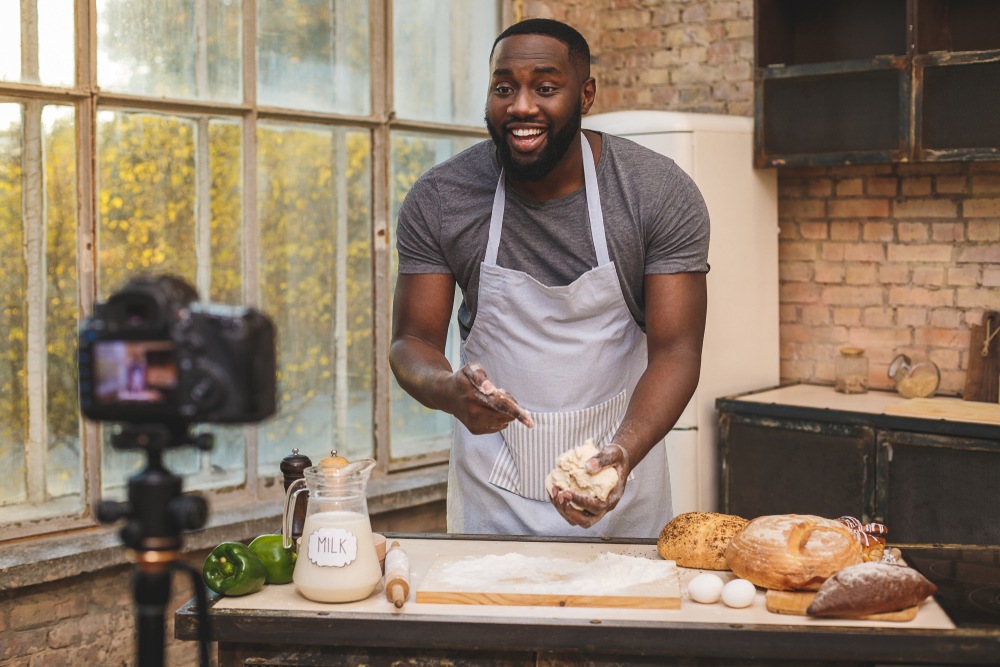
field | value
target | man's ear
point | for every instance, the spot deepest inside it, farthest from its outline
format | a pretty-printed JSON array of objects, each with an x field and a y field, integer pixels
[{"x": 587, "y": 94}]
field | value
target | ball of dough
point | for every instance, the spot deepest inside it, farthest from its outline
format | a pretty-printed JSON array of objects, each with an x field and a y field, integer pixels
[
  {"x": 571, "y": 474},
  {"x": 705, "y": 588},
  {"x": 739, "y": 593}
]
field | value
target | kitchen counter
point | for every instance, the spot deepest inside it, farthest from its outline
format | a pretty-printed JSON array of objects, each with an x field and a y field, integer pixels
[{"x": 279, "y": 627}]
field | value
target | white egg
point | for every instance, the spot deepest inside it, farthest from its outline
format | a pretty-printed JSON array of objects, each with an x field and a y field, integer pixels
[
  {"x": 705, "y": 588},
  {"x": 739, "y": 593}
]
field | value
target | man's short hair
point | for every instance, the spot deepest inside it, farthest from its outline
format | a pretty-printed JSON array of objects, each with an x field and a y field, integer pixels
[{"x": 579, "y": 50}]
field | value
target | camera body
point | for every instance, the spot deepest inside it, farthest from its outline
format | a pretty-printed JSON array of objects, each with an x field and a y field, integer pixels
[{"x": 153, "y": 354}]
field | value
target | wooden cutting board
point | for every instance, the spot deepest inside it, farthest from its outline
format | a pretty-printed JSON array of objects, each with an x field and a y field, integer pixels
[
  {"x": 592, "y": 580},
  {"x": 796, "y": 603}
]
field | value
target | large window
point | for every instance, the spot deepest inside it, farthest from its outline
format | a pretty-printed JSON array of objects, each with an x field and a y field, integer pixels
[{"x": 259, "y": 149}]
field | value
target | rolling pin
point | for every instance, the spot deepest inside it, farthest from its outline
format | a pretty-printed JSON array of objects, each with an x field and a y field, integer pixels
[{"x": 397, "y": 575}]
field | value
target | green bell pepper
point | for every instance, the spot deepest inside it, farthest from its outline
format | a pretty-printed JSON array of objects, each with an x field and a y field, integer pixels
[
  {"x": 232, "y": 569},
  {"x": 279, "y": 561}
]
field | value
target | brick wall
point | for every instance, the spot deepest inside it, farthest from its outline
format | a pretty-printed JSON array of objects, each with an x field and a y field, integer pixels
[{"x": 893, "y": 259}]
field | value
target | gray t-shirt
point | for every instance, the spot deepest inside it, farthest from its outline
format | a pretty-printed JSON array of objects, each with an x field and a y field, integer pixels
[{"x": 655, "y": 221}]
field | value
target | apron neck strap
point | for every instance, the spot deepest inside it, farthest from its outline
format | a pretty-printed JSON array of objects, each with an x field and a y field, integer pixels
[{"x": 594, "y": 210}]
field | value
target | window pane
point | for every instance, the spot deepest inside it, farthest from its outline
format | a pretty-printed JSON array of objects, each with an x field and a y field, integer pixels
[
  {"x": 13, "y": 315},
  {"x": 440, "y": 62},
  {"x": 313, "y": 55},
  {"x": 171, "y": 48},
  {"x": 154, "y": 170},
  {"x": 64, "y": 461},
  {"x": 416, "y": 430},
  {"x": 314, "y": 203},
  {"x": 46, "y": 38},
  {"x": 56, "y": 39}
]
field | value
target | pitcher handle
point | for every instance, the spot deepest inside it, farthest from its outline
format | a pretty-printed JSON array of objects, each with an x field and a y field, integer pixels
[{"x": 294, "y": 489}]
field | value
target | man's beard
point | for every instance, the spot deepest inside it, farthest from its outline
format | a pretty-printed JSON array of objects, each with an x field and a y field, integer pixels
[{"x": 553, "y": 152}]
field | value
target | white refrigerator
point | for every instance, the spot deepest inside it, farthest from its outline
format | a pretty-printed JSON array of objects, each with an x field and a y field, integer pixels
[{"x": 741, "y": 331}]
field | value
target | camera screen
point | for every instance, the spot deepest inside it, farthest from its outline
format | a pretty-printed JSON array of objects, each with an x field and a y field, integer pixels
[{"x": 135, "y": 371}]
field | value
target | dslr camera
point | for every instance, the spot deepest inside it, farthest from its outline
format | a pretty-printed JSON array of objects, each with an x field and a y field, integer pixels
[{"x": 153, "y": 354}]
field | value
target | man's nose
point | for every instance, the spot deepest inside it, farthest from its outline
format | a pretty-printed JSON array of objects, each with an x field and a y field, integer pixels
[{"x": 523, "y": 104}]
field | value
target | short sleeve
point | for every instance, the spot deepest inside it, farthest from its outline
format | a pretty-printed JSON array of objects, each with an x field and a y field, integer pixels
[
  {"x": 418, "y": 230},
  {"x": 678, "y": 231}
]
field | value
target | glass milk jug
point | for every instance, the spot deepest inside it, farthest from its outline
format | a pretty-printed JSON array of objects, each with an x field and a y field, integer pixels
[{"x": 336, "y": 558}]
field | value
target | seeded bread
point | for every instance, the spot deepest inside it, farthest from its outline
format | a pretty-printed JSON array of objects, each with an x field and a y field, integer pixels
[{"x": 699, "y": 539}]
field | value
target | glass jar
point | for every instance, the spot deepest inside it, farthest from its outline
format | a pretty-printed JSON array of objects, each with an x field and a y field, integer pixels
[
  {"x": 919, "y": 380},
  {"x": 852, "y": 371}
]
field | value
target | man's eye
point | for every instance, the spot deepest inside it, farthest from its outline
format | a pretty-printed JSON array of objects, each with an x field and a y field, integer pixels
[
  {"x": 547, "y": 90},
  {"x": 502, "y": 90}
]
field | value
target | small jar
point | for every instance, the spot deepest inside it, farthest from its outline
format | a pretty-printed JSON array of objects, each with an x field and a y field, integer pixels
[
  {"x": 919, "y": 380},
  {"x": 852, "y": 371}
]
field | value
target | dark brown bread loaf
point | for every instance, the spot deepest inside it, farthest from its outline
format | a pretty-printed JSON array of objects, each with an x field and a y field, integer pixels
[
  {"x": 870, "y": 588},
  {"x": 699, "y": 539}
]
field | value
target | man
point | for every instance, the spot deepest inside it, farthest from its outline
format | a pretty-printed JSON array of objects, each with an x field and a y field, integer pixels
[{"x": 582, "y": 259}]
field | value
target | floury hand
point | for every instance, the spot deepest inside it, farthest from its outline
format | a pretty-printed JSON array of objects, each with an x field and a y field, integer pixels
[{"x": 491, "y": 395}]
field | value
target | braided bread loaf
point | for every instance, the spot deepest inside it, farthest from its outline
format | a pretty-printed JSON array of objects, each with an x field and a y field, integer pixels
[{"x": 792, "y": 552}]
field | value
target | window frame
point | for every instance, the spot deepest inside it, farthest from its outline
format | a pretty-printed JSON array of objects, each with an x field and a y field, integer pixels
[{"x": 87, "y": 101}]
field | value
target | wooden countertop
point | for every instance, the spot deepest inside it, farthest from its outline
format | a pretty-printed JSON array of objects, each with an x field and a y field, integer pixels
[{"x": 279, "y": 615}]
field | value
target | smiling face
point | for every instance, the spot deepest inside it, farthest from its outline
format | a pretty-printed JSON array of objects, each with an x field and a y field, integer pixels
[{"x": 536, "y": 100}]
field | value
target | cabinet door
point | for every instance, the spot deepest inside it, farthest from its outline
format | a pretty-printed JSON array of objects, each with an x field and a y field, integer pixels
[
  {"x": 938, "y": 489},
  {"x": 774, "y": 466}
]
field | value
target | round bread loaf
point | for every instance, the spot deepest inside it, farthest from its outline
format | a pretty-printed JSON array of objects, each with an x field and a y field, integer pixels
[
  {"x": 792, "y": 552},
  {"x": 699, "y": 539}
]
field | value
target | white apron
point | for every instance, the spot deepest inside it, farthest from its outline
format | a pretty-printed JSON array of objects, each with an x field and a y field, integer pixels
[{"x": 571, "y": 355}]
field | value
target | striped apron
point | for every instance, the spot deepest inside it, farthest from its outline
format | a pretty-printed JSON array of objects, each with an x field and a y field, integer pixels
[{"x": 571, "y": 355}]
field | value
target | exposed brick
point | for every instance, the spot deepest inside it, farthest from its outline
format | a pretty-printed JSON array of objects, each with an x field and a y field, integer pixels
[
  {"x": 793, "y": 250},
  {"x": 991, "y": 277},
  {"x": 819, "y": 187},
  {"x": 878, "y": 317},
  {"x": 796, "y": 272},
  {"x": 799, "y": 293},
  {"x": 967, "y": 276},
  {"x": 946, "y": 358},
  {"x": 981, "y": 208},
  {"x": 859, "y": 208},
  {"x": 946, "y": 317},
  {"x": 912, "y": 231},
  {"x": 64, "y": 634},
  {"x": 911, "y": 317},
  {"x": 788, "y": 230},
  {"x": 833, "y": 252},
  {"x": 950, "y": 184},
  {"x": 920, "y": 253},
  {"x": 803, "y": 209},
  {"x": 847, "y": 316},
  {"x": 881, "y": 337},
  {"x": 985, "y": 230},
  {"x": 850, "y": 187},
  {"x": 984, "y": 254},
  {"x": 986, "y": 184},
  {"x": 814, "y": 315},
  {"x": 852, "y": 296},
  {"x": 20, "y": 643},
  {"x": 791, "y": 371},
  {"x": 920, "y": 296},
  {"x": 928, "y": 276},
  {"x": 845, "y": 231},
  {"x": 925, "y": 208},
  {"x": 788, "y": 313},
  {"x": 828, "y": 272},
  {"x": 814, "y": 230},
  {"x": 916, "y": 187},
  {"x": 860, "y": 274},
  {"x": 879, "y": 231},
  {"x": 864, "y": 252},
  {"x": 898, "y": 274},
  {"x": 988, "y": 299},
  {"x": 882, "y": 187},
  {"x": 948, "y": 231},
  {"x": 943, "y": 337}
]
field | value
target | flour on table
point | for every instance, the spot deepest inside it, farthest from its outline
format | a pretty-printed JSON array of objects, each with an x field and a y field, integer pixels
[
  {"x": 571, "y": 474},
  {"x": 603, "y": 574}
]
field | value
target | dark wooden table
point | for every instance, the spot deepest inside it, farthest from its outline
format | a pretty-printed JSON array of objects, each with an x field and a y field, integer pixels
[{"x": 376, "y": 635}]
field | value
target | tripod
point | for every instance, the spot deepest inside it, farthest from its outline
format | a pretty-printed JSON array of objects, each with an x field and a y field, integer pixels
[{"x": 156, "y": 513}]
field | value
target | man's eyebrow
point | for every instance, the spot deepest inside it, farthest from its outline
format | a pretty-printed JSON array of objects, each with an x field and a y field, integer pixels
[{"x": 540, "y": 69}]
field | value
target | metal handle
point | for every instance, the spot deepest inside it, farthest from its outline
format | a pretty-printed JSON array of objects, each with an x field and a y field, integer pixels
[{"x": 294, "y": 489}]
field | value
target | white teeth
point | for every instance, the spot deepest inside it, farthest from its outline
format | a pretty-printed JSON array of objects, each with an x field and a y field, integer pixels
[{"x": 524, "y": 132}]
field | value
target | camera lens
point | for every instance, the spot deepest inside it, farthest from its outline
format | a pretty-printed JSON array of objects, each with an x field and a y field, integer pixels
[{"x": 136, "y": 314}]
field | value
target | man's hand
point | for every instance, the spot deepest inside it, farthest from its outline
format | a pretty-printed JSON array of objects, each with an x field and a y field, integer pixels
[
  {"x": 585, "y": 511},
  {"x": 485, "y": 408}
]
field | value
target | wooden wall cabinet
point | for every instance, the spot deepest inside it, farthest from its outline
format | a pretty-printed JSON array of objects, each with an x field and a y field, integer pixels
[
  {"x": 931, "y": 481},
  {"x": 865, "y": 81}
]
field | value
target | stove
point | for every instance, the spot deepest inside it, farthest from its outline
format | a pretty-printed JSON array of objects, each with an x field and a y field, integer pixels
[{"x": 968, "y": 581}]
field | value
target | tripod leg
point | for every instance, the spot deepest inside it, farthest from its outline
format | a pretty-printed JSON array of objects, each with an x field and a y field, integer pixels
[{"x": 152, "y": 593}]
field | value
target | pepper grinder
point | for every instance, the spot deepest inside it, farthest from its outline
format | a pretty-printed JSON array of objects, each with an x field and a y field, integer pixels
[{"x": 292, "y": 467}]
